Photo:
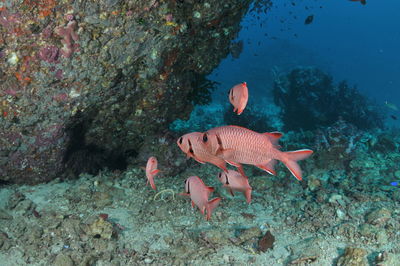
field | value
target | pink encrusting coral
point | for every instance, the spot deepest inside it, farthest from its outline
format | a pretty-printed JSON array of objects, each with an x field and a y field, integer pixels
[
  {"x": 49, "y": 54},
  {"x": 70, "y": 37}
]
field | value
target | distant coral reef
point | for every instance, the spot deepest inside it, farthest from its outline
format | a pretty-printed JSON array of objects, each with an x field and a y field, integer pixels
[
  {"x": 260, "y": 118},
  {"x": 310, "y": 100}
]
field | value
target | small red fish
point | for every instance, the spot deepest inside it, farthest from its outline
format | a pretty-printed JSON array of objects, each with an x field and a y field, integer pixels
[
  {"x": 239, "y": 145},
  {"x": 363, "y": 2},
  {"x": 192, "y": 145},
  {"x": 238, "y": 96},
  {"x": 235, "y": 181},
  {"x": 199, "y": 193},
  {"x": 151, "y": 171}
]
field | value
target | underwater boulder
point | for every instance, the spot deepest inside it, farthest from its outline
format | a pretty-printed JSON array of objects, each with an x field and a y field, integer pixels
[{"x": 310, "y": 100}]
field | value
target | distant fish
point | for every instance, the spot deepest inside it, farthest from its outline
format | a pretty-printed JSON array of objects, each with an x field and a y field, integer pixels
[
  {"x": 199, "y": 193},
  {"x": 238, "y": 96},
  {"x": 393, "y": 117},
  {"x": 391, "y": 106},
  {"x": 235, "y": 181},
  {"x": 363, "y": 2},
  {"x": 309, "y": 19},
  {"x": 151, "y": 171},
  {"x": 395, "y": 183},
  {"x": 236, "y": 49}
]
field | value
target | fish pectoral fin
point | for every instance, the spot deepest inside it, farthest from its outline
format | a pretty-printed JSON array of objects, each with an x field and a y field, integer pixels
[
  {"x": 211, "y": 189},
  {"x": 192, "y": 203},
  {"x": 183, "y": 194},
  {"x": 155, "y": 171},
  {"x": 219, "y": 163},
  {"x": 198, "y": 160},
  {"x": 143, "y": 168},
  {"x": 226, "y": 153}
]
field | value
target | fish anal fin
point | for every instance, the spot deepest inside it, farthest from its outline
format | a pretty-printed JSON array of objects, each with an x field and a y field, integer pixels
[{"x": 268, "y": 167}]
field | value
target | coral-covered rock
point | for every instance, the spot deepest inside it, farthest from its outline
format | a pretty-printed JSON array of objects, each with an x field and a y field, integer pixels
[
  {"x": 310, "y": 100},
  {"x": 353, "y": 257},
  {"x": 85, "y": 82}
]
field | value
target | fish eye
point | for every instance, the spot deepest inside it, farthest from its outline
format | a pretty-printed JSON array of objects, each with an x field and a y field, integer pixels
[
  {"x": 205, "y": 138},
  {"x": 180, "y": 140}
]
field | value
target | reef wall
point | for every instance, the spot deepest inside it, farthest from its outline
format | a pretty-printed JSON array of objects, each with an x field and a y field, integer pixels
[{"x": 83, "y": 83}]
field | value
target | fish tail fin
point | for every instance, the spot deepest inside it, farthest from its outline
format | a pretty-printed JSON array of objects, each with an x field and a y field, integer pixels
[
  {"x": 152, "y": 184},
  {"x": 247, "y": 194},
  {"x": 290, "y": 160},
  {"x": 212, "y": 204}
]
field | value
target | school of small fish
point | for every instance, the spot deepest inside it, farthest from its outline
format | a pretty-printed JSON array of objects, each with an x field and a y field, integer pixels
[{"x": 233, "y": 145}]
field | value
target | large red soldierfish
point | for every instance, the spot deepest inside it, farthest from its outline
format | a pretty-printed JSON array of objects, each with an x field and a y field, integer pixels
[
  {"x": 241, "y": 145},
  {"x": 151, "y": 171},
  {"x": 235, "y": 181},
  {"x": 192, "y": 145},
  {"x": 199, "y": 193},
  {"x": 238, "y": 96}
]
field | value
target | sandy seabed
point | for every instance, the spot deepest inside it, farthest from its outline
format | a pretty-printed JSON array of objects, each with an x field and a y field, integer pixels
[{"x": 115, "y": 219}]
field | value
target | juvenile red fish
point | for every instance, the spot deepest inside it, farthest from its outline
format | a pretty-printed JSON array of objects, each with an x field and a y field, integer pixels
[
  {"x": 151, "y": 171},
  {"x": 199, "y": 193},
  {"x": 241, "y": 145},
  {"x": 238, "y": 96},
  {"x": 235, "y": 181},
  {"x": 193, "y": 146}
]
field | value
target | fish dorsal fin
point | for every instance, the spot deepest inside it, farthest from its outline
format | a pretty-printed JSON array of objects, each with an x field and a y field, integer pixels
[{"x": 273, "y": 136}]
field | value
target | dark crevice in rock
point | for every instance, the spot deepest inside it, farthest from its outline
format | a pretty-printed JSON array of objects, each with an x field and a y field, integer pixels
[{"x": 81, "y": 157}]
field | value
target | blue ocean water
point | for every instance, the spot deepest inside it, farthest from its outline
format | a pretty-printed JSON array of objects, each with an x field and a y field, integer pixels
[{"x": 350, "y": 41}]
